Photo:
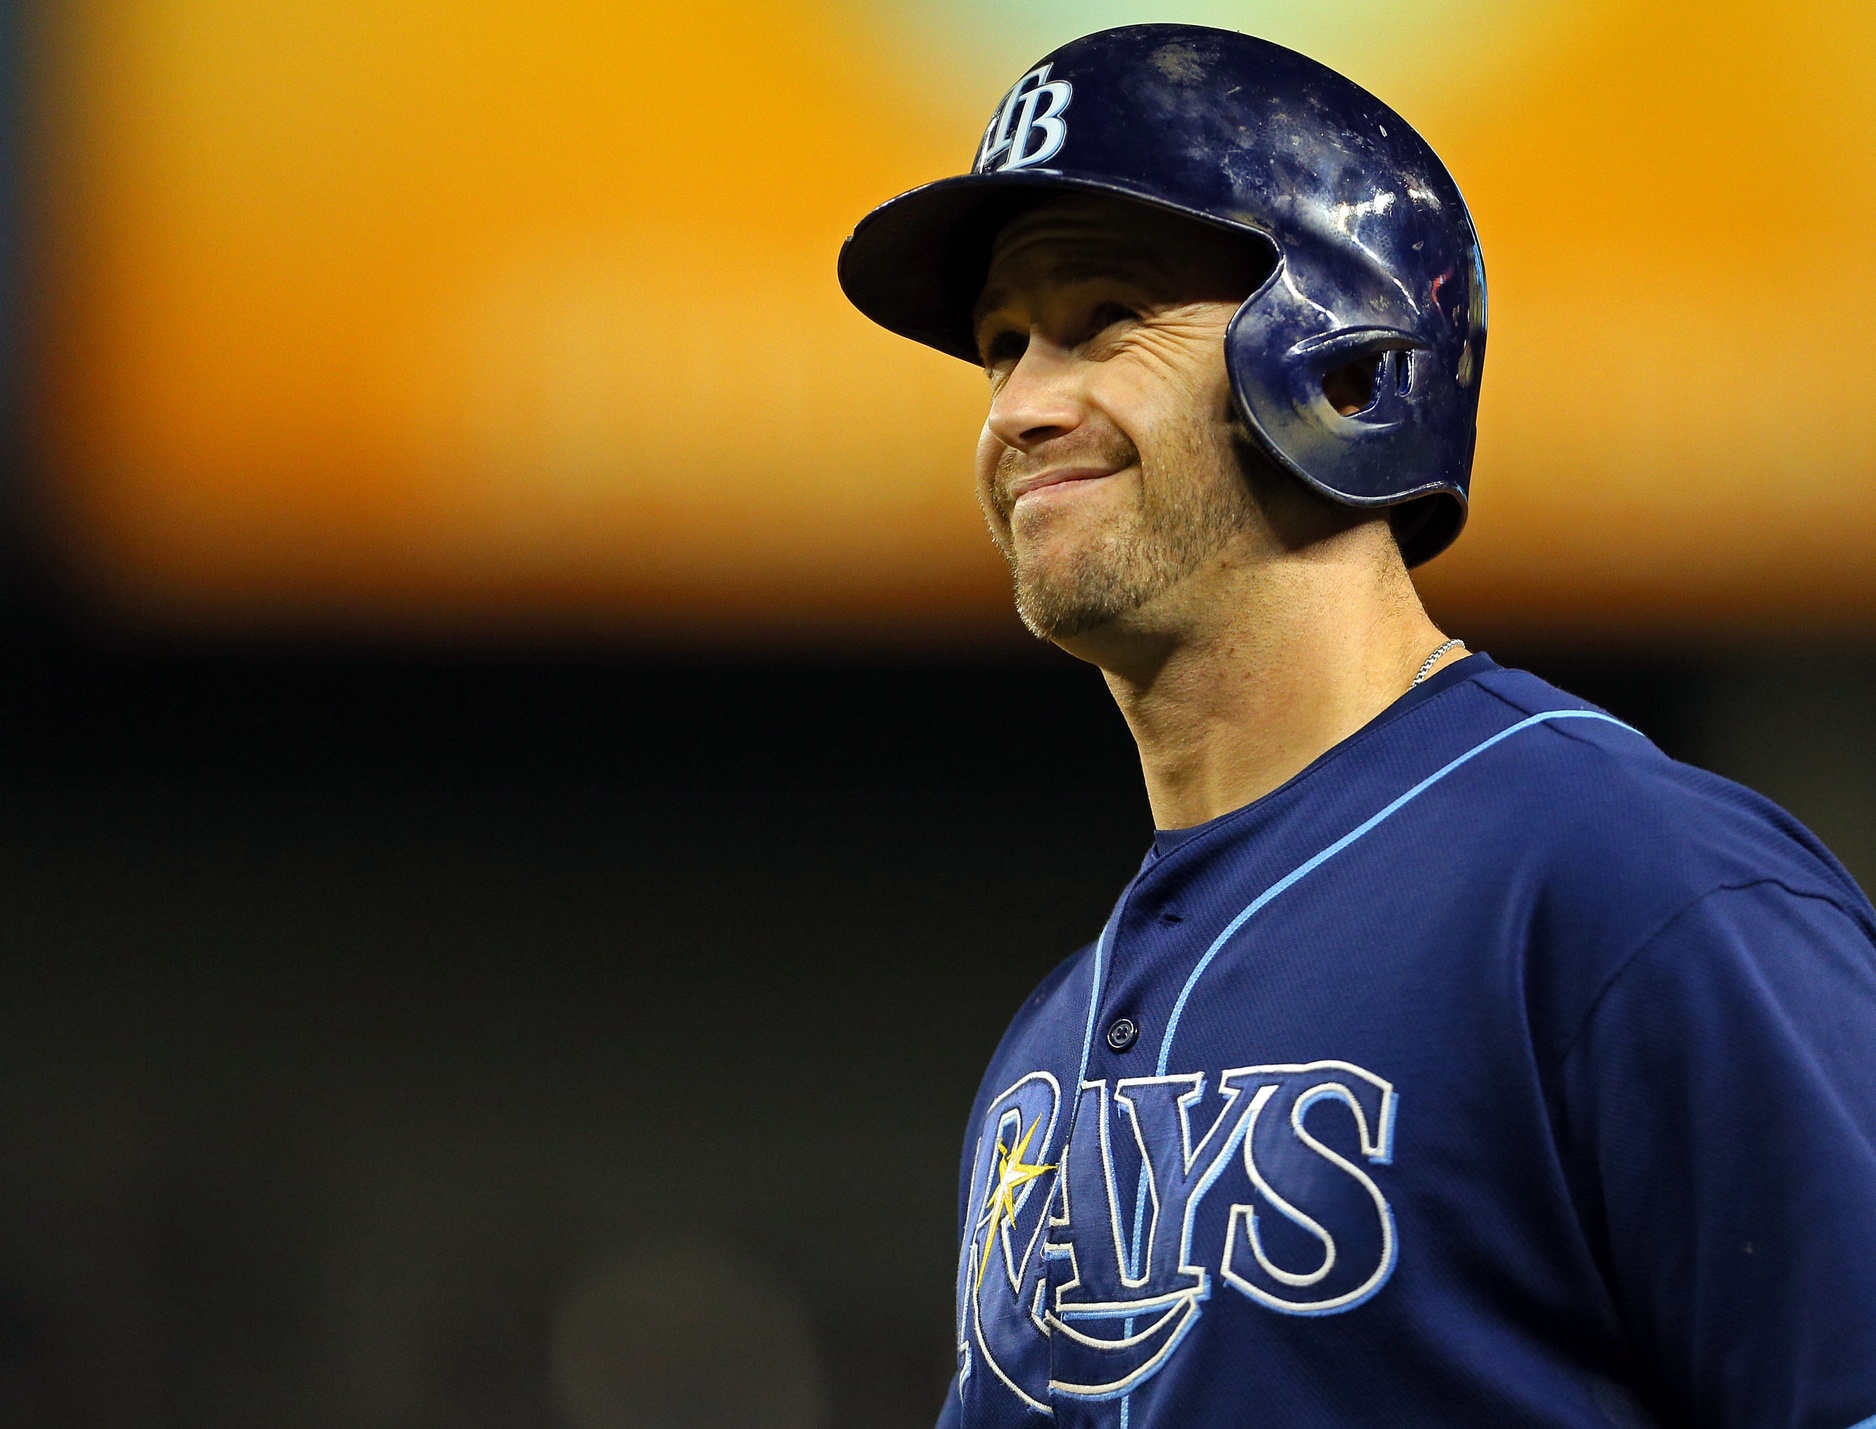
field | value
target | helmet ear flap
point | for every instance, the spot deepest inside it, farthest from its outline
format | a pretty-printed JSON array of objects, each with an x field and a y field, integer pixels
[
  {"x": 1343, "y": 409},
  {"x": 1349, "y": 403}
]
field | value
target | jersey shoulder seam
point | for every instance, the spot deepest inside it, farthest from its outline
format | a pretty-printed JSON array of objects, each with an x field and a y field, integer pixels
[
  {"x": 1652, "y": 938},
  {"x": 1848, "y": 897},
  {"x": 1559, "y": 726}
]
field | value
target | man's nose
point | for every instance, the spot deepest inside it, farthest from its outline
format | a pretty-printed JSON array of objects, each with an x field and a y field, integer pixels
[{"x": 1039, "y": 400}]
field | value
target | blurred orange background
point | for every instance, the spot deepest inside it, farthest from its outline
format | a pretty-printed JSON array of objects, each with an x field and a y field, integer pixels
[{"x": 472, "y": 318}]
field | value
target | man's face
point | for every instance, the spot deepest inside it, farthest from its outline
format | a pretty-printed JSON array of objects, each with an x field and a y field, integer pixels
[{"x": 1106, "y": 467}]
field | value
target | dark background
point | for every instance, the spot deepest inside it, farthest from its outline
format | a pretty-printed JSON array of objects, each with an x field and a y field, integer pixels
[{"x": 358, "y": 1004}]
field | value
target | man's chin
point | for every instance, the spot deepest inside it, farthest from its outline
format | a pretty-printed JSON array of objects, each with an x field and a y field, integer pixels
[
  {"x": 1060, "y": 628},
  {"x": 1088, "y": 610},
  {"x": 1062, "y": 612}
]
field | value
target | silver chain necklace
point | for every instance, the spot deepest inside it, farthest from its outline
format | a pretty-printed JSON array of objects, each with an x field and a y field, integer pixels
[{"x": 1426, "y": 666}]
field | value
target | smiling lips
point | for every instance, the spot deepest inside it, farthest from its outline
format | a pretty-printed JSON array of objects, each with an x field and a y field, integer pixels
[{"x": 1060, "y": 476}]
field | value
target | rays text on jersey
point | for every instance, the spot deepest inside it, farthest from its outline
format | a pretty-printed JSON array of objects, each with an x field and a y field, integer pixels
[{"x": 1082, "y": 1270}]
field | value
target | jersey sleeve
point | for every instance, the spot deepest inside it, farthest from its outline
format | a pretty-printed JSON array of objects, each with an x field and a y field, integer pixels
[
  {"x": 952, "y": 1415},
  {"x": 1720, "y": 1116}
]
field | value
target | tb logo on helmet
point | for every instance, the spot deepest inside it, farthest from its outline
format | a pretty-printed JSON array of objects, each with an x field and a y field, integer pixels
[{"x": 1023, "y": 127}]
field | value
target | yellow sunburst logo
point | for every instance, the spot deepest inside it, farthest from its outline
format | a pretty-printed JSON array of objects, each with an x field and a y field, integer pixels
[{"x": 1013, "y": 1173}]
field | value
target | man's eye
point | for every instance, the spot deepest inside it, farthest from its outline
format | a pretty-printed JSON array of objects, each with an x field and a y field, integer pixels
[
  {"x": 1004, "y": 348},
  {"x": 1107, "y": 316}
]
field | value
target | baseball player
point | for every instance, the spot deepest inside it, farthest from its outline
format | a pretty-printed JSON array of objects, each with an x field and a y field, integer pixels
[{"x": 1455, "y": 1057}]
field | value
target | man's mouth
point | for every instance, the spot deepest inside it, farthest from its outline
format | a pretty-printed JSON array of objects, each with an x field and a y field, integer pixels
[{"x": 1058, "y": 477}]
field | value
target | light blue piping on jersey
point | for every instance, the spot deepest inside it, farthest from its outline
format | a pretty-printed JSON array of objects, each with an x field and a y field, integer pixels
[
  {"x": 1869, "y": 1423},
  {"x": 1081, "y": 1075},
  {"x": 1094, "y": 1008},
  {"x": 1303, "y": 870}
]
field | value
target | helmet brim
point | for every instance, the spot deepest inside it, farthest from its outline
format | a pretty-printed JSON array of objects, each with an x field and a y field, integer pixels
[{"x": 916, "y": 264}]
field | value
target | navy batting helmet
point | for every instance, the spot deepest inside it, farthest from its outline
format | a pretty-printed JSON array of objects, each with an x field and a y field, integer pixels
[{"x": 1375, "y": 268}]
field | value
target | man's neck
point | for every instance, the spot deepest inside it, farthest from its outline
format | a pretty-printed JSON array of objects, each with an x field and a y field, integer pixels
[{"x": 1259, "y": 667}]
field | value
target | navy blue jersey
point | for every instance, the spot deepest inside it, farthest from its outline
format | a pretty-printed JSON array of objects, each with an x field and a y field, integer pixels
[{"x": 1495, "y": 1070}]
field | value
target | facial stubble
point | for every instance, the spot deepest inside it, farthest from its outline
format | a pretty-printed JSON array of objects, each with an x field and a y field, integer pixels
[{"x": 1193, "y": 500}]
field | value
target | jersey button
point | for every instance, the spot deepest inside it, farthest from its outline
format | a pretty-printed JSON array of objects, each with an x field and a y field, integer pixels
[{"x": 1122, "y": 1033}]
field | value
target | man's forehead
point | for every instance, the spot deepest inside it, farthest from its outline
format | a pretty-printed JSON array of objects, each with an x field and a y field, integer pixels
[
  {"x": 1075, "y": 238},
  {"x": 1078, "y": 239},
  {"x": 1080, "y": 227}
]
